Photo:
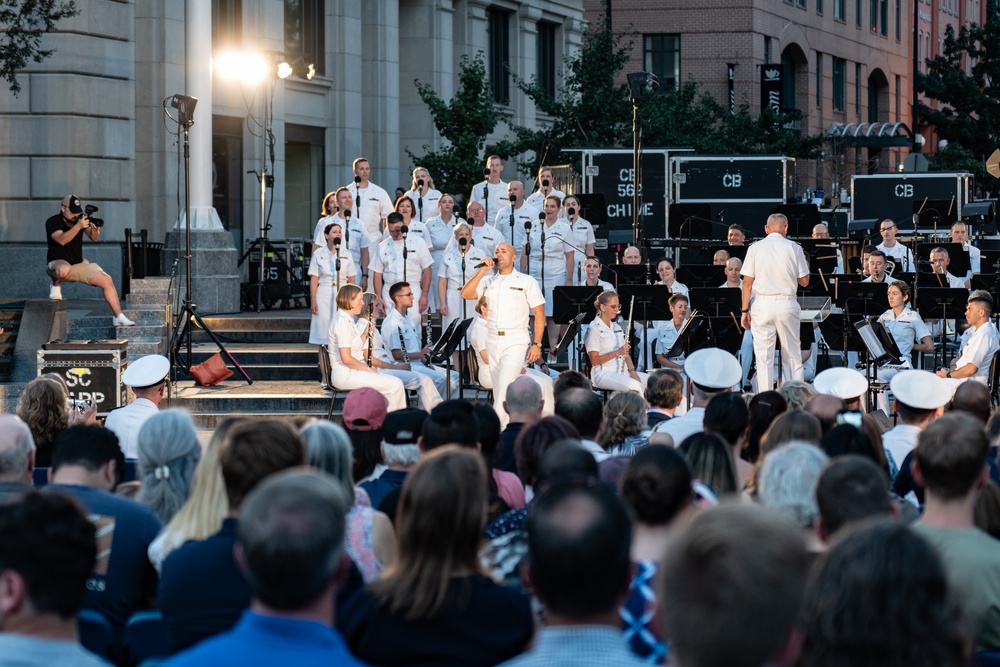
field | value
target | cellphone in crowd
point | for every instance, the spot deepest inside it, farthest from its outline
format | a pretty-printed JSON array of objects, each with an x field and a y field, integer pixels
[
  {"x": 79, "y": 405},
  {"x": 852, "y": 417}
]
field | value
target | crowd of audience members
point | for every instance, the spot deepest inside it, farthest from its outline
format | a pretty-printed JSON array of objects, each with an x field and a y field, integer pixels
[{"x": 779, "y": 534}]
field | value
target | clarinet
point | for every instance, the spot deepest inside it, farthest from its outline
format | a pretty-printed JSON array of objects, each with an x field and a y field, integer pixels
[
  {"x": 371, "y": 333},
  {"x": 428, "y": 336},
  {"x": 402, "y": 345},
  {"x": 622, "y": 365}
]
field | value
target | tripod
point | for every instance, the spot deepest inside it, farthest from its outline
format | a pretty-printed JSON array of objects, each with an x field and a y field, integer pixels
[{"x": 188, "y": 312}]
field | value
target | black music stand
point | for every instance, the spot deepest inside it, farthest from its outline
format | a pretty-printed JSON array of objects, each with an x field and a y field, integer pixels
[
  {"x": 839, "y": 335},
  {"x": 724, "y": 332},
  {"x": 701, "y": 275},
  {"x": 929, "y": 280},
  {"x": 989, "y": 282},
  {"x": 801, "y": 218},
  {"x": 684, "y": 344},
  {"x": 821, "y": 254},
  {"x": 593, "y": 208},
  {"x": 878, "y": 342},
  {"x": 861, "y": 298},
  {"x": 571, "y": 332},
  {"x": 959, "y": 263},
  {"x": 652, "y": 302},
  {"x": 630, "y": 274},
  {"x": 445, "y": 347},
  {"x": 944, "y": 212},
  {"x": 717, "y": 301},
  {"x": 941, "y": 303},
  {"x": 571, "y": 304}
]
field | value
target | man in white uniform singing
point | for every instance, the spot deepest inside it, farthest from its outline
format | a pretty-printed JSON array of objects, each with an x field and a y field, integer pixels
[
  {"x": 511, "y": 296},
  {"x": 773, "y": 270}
]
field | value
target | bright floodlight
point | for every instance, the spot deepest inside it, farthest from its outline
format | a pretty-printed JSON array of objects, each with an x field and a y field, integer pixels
[
  {"x": 284, "y": 70},
  {"x": 247, "y": 67}
]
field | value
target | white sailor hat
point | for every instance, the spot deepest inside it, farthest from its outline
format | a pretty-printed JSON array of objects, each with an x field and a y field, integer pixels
[
  {"x": 713, "y": 369},
  {"x": 146, "y": 371},
  {"x": 921, "y": 390},
  {"x": 845, "y": 383}
]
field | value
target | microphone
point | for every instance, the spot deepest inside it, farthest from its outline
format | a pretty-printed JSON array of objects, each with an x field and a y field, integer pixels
[
  {"x": 347, "y": 214},
  {"x": 482, "y": 264},
  {"x": 545, "y": 183},
  {"x": 462, "y": 242},
  {"x": 420, "y": 183},
  {"x": 336, "y": 242},
  {"x": 527, "y": 227},
  {"x": 512, "y": 198},
  {"x": 571, "y": 211},
  {"x": 405, "y": 230},
  {"x": 541, "y": 217},
  {"x": 722, "y": 215},
  {"x": 357, "y": 180},
  {"x": 486, "y": 172}
]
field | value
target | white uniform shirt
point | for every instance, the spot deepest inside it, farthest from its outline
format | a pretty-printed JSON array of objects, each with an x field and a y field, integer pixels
[
  {"x": 486, "y": 238},
  {"x": 775, "y": 264},
  {"x": 415, "y": 229},
  {"x": 726, "y": 285},
  {"x": 899, "y": 254},
  {"x": 477, "y": 338},
  {"x": 979, "y": 350},
  {"x": 606, "y": 286},
  {"x": 602, "y": 338},
  {"x": 501, "y": 221},
  {"x": 666, "y": 337},
  {"x": 125, "y": 423},
  {"x": 678, "y": 288},
  {"x": 375, "y": 205},
  {"x": 497, "y": 200},
  {"x": 392, "y": 325},
  {"x": 323, "y": 265},
  {"x": 583, "y": 235},
  {"x": 430, "y": 209},
  {"x": 378, "y": 347},
  {"x": 907, "y": 329},
  {"x": 537, "y": 199},
  {"x": 510, "y": 299},
  {"x": 975, "y": 258},
  {"x": 555, "y": 249},
  {"x": 451, "y": 266},
  {"x": 355, "y": 237},
  {"x": 388, "y": 260},
  {"x": 886, "y": 278},
  {"x": 441, "y": 233},
  {"x": 344, "y": 334},
  {"x": 900, "y": 441}
]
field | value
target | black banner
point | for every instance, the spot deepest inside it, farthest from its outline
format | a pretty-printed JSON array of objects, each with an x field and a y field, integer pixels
[{"x": 771, "y": 87}]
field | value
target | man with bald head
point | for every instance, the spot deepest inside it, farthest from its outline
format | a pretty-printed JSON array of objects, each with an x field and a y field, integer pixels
[
  {"x": 972, "y": 397},
  {"x": 632, "y": 255},
  {"x": 720, "y": 258},
  {"x": 523, "y": 405},
  {"x": 825, "y": 408},
  {"x": 17, "y": 457},
  {"x": 511, "y": 219},
  {"x": 773, "y": 271},
  {"x": 822, "y": 232},
  {"x": 511, "y": 297}
]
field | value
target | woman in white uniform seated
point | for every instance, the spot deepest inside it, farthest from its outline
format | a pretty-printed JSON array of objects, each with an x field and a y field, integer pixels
[
  {"x": 907, "y": 329},
  {"x": 347, "y": 350},
  {"x": 477, "y": 340},
  {"x": 611, "y": 366}
]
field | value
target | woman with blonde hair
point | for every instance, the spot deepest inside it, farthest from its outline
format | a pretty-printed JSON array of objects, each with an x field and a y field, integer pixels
[
  {"x": 435, "y": 604},
  {"x": 610, "y": 364},
  {"x": 422, "y": 191},
  {"x": 625, "y": 428},
  {"x": 349, "y": 369},
  {"x": 44, "y": 407},
  {"x": 206, "y": 506},
  {"x": 442, "y": 229}
]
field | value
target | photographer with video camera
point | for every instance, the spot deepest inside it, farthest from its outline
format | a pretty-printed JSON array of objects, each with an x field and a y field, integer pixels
[{"x": 64, "y": 233}]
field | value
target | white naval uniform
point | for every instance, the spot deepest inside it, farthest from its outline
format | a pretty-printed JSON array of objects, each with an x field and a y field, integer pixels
[
  {"x": 501, "y": 222},
  {"x": 388, "y": 260},
  {"x": 477, "y": 341},
  {"x": 400, "y": 333},
  {"x": 427, "y": 392},
  {"x": 583, "y": 235},
  {"x": 975, "y": 260},
  {"x": 430, "y": 208},
  {"x": 554, "y": 257},
  {"x": 323, "y": 265},
  {"x": 906, "y": 330},
  {"x": 441, "y": 234},
  {"x": 537, "y": 199},
  {"x": 666, "y": 336},
  {"x": 746, "y": 346},
  {"x": 979, "y": 349},
  {"x": 498, "y": 197},
  {"x": 487, "y": 238},
  {"x": 125, "y": 422},
  {"x": 415, "y": 229},
  {"x": 451, "y": 270},
  {"x": 510, "y": 299},
  {"x": 343, "y": 333},
  {"x": 355, "y": 238},
  {"x": 886, "y": 278},
  {"x": 612, "y": 374},
  {"x": 900, "y": 255},
  {"x": 775, "y": 264},
  {"x": 375, "y": 206}
]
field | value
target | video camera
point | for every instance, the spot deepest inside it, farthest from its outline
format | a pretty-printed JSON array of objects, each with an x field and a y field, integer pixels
[{"x": 88, "y": 211}]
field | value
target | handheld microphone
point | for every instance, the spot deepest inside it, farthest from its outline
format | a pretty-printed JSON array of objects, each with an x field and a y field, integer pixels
[{"x": 482, "y": 264}]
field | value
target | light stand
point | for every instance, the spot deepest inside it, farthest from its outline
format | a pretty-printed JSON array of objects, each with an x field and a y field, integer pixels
[
  {"x": 188, "y": 312},
  {"x": 637, "y": 82}
]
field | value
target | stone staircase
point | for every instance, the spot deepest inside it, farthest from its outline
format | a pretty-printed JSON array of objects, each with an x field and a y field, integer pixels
[
  {"x": 10, "y": 320},
  {"x": 148, "y": 304}
]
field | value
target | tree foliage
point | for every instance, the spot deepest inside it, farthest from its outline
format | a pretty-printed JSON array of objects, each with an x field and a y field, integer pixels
[
  {"x": 968, "y": 113},
  {"x": 464, "y": 122},
  {"x": 22, "y": 23}
]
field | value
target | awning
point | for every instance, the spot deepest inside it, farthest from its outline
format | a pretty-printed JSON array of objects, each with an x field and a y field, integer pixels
[{"x": 872, "y": 135}]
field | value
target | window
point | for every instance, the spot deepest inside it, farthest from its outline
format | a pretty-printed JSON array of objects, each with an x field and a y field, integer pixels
[
  {"x": 800, "y": 3},
  {"x": 819, "y": 79},
  {"x": 547, "y": 58},
  {"x": 839, "y": 10},
  {"x": 227, "y": 24},
  {"x": 883, "y": 17},
  {"x": 899, "y": 90},
  {"x": 304, "y": 32},
  {"x": 661, "y": 55},
  {"x": 857, "y": 12},
  {"x": 788, "y": 99},
  {"x": 499, "y": 60},
  {"x": 857, "y": 88},
  {"x": 873, "y": 15},
  {"x": 839, "y": 84},
  {"x": 767, "y": 49},
  {"x": 899, "y": 19},
  {"x": 303, "y": 178},
  {"x": 819, "y": 7}
]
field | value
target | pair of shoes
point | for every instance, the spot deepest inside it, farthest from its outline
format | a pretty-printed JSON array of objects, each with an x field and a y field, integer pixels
[
  {"x": 551, "y": 359},
  {"x": 122, "y": 321},
  {"x": 55, "y": 293}
]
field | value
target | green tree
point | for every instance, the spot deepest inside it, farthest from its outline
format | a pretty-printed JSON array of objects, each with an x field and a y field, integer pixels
[
  {"x": 22, "y": 23},
  {"x": 968, "y": 113},
  {"x": 464, "y": 122}
]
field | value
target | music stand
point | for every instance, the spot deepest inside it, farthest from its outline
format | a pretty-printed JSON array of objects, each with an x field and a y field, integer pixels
[
  {"x": 572, "y": 330},
  {"x": 701, "y": 275},
  {"x": 931, "y": 280},
  {"x": 861, "y": 298},
  {"x": 941, "y": 303},
  {"x": 821, "y": 254},
  {"x": 801, "y": 218},
  {"x": 576, "y": 303},
  {"x": 733, "y": 250},
  {"x": 959, "y": 263},
  {"x": 725, "y": 333},
  {"x": 652, "y": 300},
  {"x": 717, "y": 301},
  {"x": 685, "y": 338},
  {"x": 630, "y": 274},
  {"x": 838, "y": 334},
  {"x": 943, "y": 211},
  {"x": 593, "y": 208},
  {"x": 445, "y": 347},
  {"x": 879, "y": 344}
]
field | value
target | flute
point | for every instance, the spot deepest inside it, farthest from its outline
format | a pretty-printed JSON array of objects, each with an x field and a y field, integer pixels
[
  {"x": 371, "y": 333},
  {"x": 626, "y": 333}
]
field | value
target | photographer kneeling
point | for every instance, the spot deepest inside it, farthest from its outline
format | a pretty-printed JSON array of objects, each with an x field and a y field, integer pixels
[{"x": 64, "y": 233}]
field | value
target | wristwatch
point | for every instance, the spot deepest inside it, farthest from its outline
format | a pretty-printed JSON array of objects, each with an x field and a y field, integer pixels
[
  {"x": 745, "y": 310},
  {"x": 947, "y": 374},
  {"x": 537, "y": 344}
]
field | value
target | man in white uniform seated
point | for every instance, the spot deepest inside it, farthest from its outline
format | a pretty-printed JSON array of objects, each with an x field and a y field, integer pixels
[
  {"x": 980, "y": 346},
  {"x": 402, "y": 338},
  {"x": 147, "y": 377}
]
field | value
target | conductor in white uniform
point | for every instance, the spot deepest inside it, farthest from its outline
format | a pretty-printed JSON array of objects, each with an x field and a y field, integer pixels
[
  {"x": 510, "y": 296},
  {"x": 773, "y": 270},
  {"x": 147, "y": 377}
]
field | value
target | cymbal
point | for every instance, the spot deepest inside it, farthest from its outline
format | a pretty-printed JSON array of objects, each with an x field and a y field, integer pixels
[{"x": 993, "y": 164}]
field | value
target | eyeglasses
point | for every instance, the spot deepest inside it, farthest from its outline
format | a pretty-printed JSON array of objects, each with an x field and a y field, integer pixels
[
  {"x": 885, "y": 229},
  {"x": 407, "y": 294}
]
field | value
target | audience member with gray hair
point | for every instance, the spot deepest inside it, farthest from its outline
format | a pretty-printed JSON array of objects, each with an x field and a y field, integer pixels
[
  {"x": 788, "y": 481},
  {"x": 291, "y": 547},
  {"x": 371, "y": 543},
  {"x": 523, "y": 406},
  {"x": 17, "y": 456},
  {"x": 169, "y": 451},
  {"x": 796, "y": 393}
]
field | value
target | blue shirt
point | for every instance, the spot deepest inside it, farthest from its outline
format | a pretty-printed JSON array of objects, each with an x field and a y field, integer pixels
[
  {"x": 270, "y": 640},
  {"x": 389, "y": 480},
  {"x": 578, "y": 646}
]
